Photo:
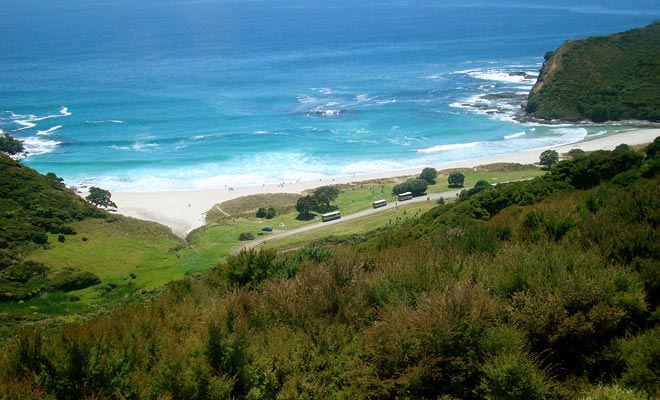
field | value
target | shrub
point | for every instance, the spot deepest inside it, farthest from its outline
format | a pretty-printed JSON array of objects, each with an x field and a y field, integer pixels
[
  {"x": 245, "y": 236},
  {"x": 642, "y": 366},
  {"x": 249, "y": 267},
  {"x": 513, "y": 376},
  {"x": 39, "y": 237},
  {"x": 615, "y": 392},
  {"x": 69, "y": 279},
  {"x": 25, "y": 271}
]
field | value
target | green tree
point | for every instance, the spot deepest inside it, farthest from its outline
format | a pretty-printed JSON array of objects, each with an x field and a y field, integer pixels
[
  {"x": 305, "y": 205},
  {"x": 416, "y": 186},
  {"x": 100, "y": 197},
  {"x": 429, "y": 175},
  {"x": 548, "y": 158},
  {"x": 576, "y": 153},
  {"x": 456, "y": 179},
  {"x": 654, "y": 148},
  {"x": 261, "y": 212},
  {"x": 270, "y": 213},
  {"x": 55, "y": 180},
  {"x": 325, "y": 194},
  {"x": 9, "y": 145}
]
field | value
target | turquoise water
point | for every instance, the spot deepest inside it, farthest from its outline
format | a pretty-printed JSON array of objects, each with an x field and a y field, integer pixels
[{"x": 200, "y": 94}]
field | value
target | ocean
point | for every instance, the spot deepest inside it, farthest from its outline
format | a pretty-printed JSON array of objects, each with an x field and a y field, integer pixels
[{"x": 172, "y": 94}]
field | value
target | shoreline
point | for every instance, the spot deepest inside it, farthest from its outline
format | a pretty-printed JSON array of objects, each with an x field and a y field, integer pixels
[{"x": 185, "y": 210}]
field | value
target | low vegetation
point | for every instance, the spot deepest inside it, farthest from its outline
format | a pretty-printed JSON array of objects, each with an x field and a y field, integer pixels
[{"x": 543, "y": 289}]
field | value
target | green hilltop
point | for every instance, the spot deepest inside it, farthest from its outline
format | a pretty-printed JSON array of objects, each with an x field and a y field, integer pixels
[{"x": 609, "y": 78}]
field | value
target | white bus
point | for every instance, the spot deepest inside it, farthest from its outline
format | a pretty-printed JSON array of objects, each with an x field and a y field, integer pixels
[
  {"x": 379, "y": 203},
  {"x": 330, "y": 216},
  {"x": 405, "y": 196}
]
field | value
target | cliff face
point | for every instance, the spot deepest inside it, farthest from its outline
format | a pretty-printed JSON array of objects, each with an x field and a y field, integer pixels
[{"x": 607, "y": 78}]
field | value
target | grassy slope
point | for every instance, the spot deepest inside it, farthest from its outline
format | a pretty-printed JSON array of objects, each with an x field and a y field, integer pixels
[
  {"x": 116, "y": 247},
  {"x": 543, "y": 300}
]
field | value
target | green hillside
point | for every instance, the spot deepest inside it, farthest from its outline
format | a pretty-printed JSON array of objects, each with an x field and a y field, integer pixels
[
  {"x": 61, "y": 257},
  {"x": 608, "y": 78},
  {"x": 543, "y": 289}
]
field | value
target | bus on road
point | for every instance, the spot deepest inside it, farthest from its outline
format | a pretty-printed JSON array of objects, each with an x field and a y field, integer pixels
[
  {"x": 405, "y": 196},
  {"x": 330, "y": 216},
  {"x": 379, "y": 203}
]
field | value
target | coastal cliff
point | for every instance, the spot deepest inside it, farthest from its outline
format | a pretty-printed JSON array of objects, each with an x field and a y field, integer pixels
[{"x": 608, "y": 78}]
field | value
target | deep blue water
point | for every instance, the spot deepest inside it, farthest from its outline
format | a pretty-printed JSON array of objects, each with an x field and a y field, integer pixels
[{"x": 196, "y": 94}]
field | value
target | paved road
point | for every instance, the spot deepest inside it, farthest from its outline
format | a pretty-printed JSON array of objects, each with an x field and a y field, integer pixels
[{"x": 278, "y": 234}]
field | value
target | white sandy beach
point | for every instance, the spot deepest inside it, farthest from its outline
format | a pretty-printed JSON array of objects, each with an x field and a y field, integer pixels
[{"x": 185, "y": 210}]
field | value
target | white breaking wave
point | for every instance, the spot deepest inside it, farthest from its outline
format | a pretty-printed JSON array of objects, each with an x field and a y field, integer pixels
[
  {"x": 435, "y": 76},
  {"x": 49, "y": 131},
  {"x": 107, "y": 121},
  {"x": 496, "y": 75},
  {"x": 324, "y": 90},
  {"x": 515, "y": 135},
  {"x": 570, "y": 135},
  {"x": 35, "y": 146},
  {"x": 139, "y": 146},
  {"x": 447, "y": 147},
  {"x": 26, "y": 124},
  {"x": 307, "y": 99},
  {"x": 28, "y": 121},
  {"x": 64, "y": 112},
  {"x": 361, "y": 98}
]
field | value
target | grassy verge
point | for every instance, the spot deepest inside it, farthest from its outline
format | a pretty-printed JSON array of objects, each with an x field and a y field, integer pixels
[{"x": 356, "y": 227}]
